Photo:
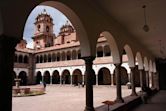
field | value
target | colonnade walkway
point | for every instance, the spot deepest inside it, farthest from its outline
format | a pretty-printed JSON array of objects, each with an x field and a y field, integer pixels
[{"x": 156, "y": 103}]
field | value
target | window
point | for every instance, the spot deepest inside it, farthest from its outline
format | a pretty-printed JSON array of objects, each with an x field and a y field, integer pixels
[{"x": 47, "y": 28}]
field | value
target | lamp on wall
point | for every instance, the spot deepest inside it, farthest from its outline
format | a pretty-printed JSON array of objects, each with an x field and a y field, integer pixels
[{"x": 145, "y": 27}]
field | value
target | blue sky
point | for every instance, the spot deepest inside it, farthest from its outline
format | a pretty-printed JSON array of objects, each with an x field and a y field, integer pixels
[{"x": 58, "y": 19}]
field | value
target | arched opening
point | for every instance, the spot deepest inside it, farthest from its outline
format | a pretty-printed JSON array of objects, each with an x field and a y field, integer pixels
[
  {"x": 99, "y": 51},
  {"x": 107, "y": 51},
  {"x": 53, "y": 57},
  {"x": 20, "y": 59},
  {"x": 104, "y": 76},
  {"x": 25, "y": 59},
  {"x": 55, "y": 77},
  {"x": 49, "y": 57},
  {"x": 38, "y": 77},
  {"x": 63, "y": 55},
  {"x": 66, "y": 77},
  {"x": 13, "y": 77},
  {"x": 68, "y": 56},
  {"x": 47, "y": 77},
  {"x": 23, "y": 76},
  {"x": 77, "y": 77},
  {"x": 124, "y": 76},
  {"x": 74, "y": 55},
  {"x": 37, "y": 59},
  {"x": 41, "y": 59},
  {"x": 107, "y": 36},
  {"x": 58, "y": 56},
  {"x": 45, "y": 58}
]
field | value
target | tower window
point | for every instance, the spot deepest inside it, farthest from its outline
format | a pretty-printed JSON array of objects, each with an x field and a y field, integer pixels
[
  {"x": 47, "y": 28},
  {"x": 38, "y": 27}
]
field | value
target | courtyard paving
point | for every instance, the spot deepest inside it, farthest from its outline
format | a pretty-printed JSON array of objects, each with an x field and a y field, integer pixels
[{"x": 65, "y": 98}]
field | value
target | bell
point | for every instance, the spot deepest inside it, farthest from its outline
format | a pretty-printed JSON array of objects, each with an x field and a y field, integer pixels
[{"x": 146, "y": 28}]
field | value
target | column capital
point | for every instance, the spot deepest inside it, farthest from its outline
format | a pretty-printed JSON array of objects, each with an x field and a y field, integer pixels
[
  {"x": 88, "y": 59},
  {"x": 117, "y": 64}
]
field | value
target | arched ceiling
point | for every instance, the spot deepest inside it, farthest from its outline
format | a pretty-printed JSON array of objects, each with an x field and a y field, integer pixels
[{"x": 130, "y": 14}]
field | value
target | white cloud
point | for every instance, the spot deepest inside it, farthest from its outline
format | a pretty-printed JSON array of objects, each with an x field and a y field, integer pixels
[{"x": 58, "y": 19}]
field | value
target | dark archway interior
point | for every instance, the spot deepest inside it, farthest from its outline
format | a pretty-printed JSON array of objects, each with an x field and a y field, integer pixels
[
  {"x": 38, "y": 77},
  {"x": 55, "y": 77},
  {"x": 104, "y": 77},
  {"x": 47, "y": 77},
  {"x": 66, "y": 77},
  {"x": 77, "y": 77},
  {"x": 23, "y": 76}
]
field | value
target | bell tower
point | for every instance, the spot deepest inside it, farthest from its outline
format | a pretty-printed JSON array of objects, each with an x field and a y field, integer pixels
[{"x": 43, "y": 35}]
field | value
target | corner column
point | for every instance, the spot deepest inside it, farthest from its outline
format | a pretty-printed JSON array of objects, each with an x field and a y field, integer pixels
[
  {"x": 119, "y": 98},
  {"x": 133, "y": 93},
  {"x": 7, "y": 52},
  {"x": 89, "y": 83},
  {"x": 141, "y": 79}
]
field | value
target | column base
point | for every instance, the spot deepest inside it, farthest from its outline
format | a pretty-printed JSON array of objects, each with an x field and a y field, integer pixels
[
  {"x": 133, "y": 94},
  {"x": 89, "y": 109},
  {"x": 119, "y": 100}
]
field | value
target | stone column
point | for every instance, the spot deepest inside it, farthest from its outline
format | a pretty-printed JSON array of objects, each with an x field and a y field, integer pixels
[
  {"x": 50, "y": 79},
  {"x": 89, "y": 83},
  {"x": 96, "y": 79},
  {"x": 7, "y": 52},
  {"x": 83, "y": 81},
  {"x": 133, "y": 93},
  {"x": 71, "y": 81},
  {"x": 61, "y": 80},
  {"x": 141, "y": 79},
  {"x": 119, "y": 98},
  {"x": 112, "y": 80}
]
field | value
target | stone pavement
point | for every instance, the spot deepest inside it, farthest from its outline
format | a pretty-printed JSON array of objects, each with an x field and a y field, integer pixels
[
  {"x": 65, "y": 98},
  {"x": 156, "y": 103}
]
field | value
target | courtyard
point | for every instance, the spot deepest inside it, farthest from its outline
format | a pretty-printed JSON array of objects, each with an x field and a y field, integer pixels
[{"x": 66, "y": 98}]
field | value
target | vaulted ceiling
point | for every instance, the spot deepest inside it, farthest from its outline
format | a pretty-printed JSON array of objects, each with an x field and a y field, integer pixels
[{"x": 130, "y": 14}]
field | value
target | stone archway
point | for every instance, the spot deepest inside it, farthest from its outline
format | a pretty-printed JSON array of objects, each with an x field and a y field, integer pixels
[
  {"x": 77, "y": 77},
  {"x": 23, "y": 76},
  {"x": 55, "y": 77},
  {"x": 38, "y": 77},
  {"x": 47, "y": 77},
  {"x": 66, "y": 77},
  {"x": 104, "y": 76}
]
